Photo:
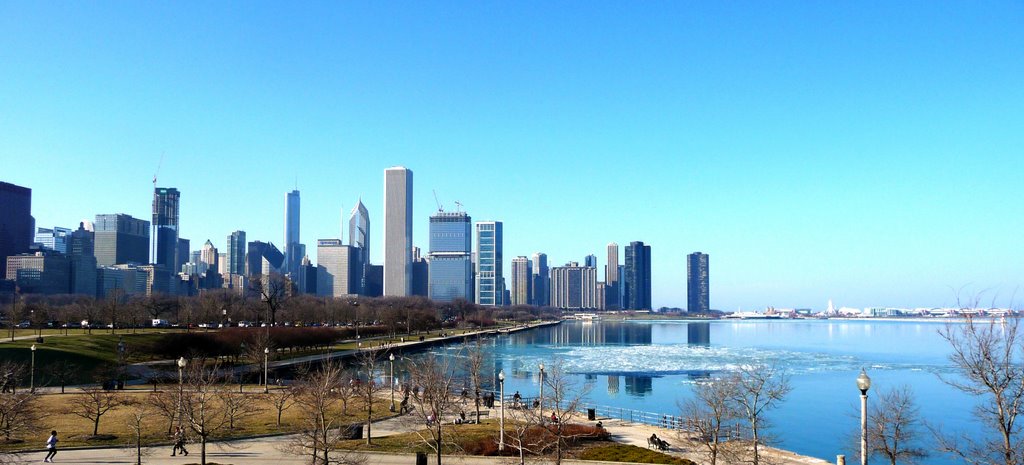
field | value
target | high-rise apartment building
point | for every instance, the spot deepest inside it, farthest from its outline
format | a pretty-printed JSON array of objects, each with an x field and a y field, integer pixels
[
  {"x": 522, "y": 275},
  {"x": 638, "y": 276},
  {"x": 338, "y": 266},
  {"x": 55, "y": 238},
  {"x": 16, "y": 223},
  {"x": 121, "y": 239},
  {"x": 397, "y": 231},
  {"x": 451, "y": 269},
  {"x": 697, "y": 289},
  {"x": 541, "y": 288},
  {"x": 574, "y": 287},
  {"x": 293, "y": 249},
  {"x": 611, "y": 278},
  {"x": 489, "y": 280},
  {"x": 236, "y": 253},
  {"x": 359, "y": 229},
  {"x": 165, "y": 228}
]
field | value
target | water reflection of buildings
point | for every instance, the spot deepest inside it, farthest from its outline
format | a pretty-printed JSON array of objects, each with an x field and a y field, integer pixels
[
  {"x": 637, "y": 386},
  {"x": 613, "y": 384},
  {"x": 698, "y": 334},
  {"x": 587, "y": 333}
]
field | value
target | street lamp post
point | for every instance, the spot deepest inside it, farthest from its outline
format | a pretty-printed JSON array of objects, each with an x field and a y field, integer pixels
[
  {"x": 501, "y": 421},
  {"x": 266, "y": 370},
  {"x": 32, "y": 376},
  {"x": 391, "y": 358},
  {"x": 863, "y": 383},
  {"x": 121, "y": 361},
  {"x": 540, "y": 400},
  {"x": 181, "y": 376}
]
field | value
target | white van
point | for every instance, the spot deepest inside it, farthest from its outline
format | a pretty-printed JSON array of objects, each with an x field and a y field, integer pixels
[{"x": 161, "y": 324}]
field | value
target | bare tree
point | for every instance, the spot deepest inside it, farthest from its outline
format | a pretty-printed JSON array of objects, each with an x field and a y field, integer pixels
[
  {"x": 19, "y": 412},
  {"x": 894, "y": 428},
  {"x": 93, "y": 403},
  {"x": 522, "y": 421},
  {"x": 114, "y": 308},
  {"x": 475, "y": 370},
  {"x": 710, "y": 414},
  {"x": 272, "y": 290},
  {"x": 367, "y": 390},
  {"x": 990, "y": 361},
  {"x": 61, "y": 372},
  {"x": 201, "y": 404},
  {"x": 136, "y": 423},
  {"x": 237, "y": 406},
  {"x": 281, "y": 399},
  {"x": 563, "y": 397},
  {"x": 437, "y": 400},
  {"x": 165, "y": 404},
  {"x": 759, "y": 389},
  {"x": 322, "y": 421}
]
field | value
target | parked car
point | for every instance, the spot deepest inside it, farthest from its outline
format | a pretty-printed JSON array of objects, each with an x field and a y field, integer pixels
[{"x": 159, "y": 323}]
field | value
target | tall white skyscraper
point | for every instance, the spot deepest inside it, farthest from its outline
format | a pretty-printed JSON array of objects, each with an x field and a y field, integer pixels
[
  {"x": 293, "y": 250},
  {"x": 397, "y": 231},
  {"x": 521, "y": 277}
]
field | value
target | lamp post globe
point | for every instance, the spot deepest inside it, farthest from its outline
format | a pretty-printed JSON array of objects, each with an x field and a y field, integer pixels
[
  {"x": 863, "y": 384},
  {"x": 32, "y": 374},
  {"x": 540, "y": 399},
  {"x": 266, "y": 370}
]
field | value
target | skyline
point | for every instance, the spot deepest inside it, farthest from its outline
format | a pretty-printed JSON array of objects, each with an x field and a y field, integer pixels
[{"x": 861, "y": 153}]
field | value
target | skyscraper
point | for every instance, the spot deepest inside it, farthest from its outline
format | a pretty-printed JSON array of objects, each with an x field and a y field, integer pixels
[
  {"x": 397, "y": 231},
  {"x": 541, "y": 288},
  {"x": 165, "y": 228},
  {"x": 451, "y": 270},
  {"x": 263, "y": 258},
  {"x": 638, "y": 276},
  {"x": 489, "y": 279},
  {"x": 55, "y": 238},
  {"x": 81, "y": 250},
  {"x": 208, "y": 255},
  {"x": 574, "y": 287},
  {"x": 293, "y": 249},
  {"x": 697, "y": 289},
  {"x": 521, "y": 277},
  {"x": 611, "y": 278},
  {"x": 337, "y": 268},
  {"x": 359, "y": 229},
  {"x": 590, "y": 260},
  {"x": 16, "y": 223},
  {"x": 42, "y": 272},
  {"x": 121, "y": 239},
  {"x": 236, "y": 253}
]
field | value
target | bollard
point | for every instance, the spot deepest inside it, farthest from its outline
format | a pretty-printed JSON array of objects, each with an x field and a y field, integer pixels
[{"x": 840, "y": 459}]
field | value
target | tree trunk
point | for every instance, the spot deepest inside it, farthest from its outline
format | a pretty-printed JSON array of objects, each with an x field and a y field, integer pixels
[
  {"x": 202, "y": 449},
  {"x": 96, "y": 426}
]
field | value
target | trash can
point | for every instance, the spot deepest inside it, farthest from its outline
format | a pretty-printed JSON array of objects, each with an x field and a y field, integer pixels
[
  {"x": 120, "y": 385},
  {"x": 39, "y": 340},
  {"x": 421, "y": 458},
  {"x": 421, "y": 338},
  {"x": 591, "y": 414}
]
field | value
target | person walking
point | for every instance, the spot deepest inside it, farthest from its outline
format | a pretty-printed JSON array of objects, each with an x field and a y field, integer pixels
[
  {"x": 179, "y": 442},
  {"x": 51, "y": 447}
]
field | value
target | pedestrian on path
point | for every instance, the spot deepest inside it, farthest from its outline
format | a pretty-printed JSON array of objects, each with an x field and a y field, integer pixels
[
  {"x": 51, "y": 447},
  {"x": 179, "y": 442}
]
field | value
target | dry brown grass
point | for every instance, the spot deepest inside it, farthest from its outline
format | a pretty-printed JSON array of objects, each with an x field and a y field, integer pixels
[{"x": 75, "y": 431}]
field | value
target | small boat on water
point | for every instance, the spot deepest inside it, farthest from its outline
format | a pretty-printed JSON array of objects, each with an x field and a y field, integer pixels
[{"x": 753, "y": 316}]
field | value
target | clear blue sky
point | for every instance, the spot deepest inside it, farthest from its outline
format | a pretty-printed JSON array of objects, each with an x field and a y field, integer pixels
[{"x": 868, "y": 152}]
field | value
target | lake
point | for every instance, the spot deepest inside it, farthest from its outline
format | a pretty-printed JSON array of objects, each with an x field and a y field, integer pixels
[{"x": 648, "y": 366}]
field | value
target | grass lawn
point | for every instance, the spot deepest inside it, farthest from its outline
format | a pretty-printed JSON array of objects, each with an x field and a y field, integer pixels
[
  {"x": 628, "y": 453},
  {"x": 89, "y": 353},
  {"x": 75, "y": 431}
]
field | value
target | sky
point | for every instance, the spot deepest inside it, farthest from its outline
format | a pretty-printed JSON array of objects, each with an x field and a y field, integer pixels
[{"x": 866, "y": 152}]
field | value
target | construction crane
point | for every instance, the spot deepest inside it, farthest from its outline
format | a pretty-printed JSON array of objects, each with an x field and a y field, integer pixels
[
  {"x": 158, "y": 165},
  {"x": 439, "y": 207},
  {"x": 458, "y": 206}
]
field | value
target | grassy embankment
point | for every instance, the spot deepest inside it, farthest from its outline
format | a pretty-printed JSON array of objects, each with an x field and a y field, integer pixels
[{"x": 115, "y": 425}]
